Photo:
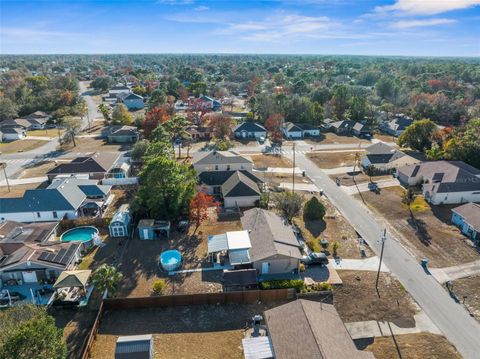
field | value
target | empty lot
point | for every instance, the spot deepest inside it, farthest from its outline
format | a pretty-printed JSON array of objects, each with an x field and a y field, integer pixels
[{"x": 327, "y": 159}]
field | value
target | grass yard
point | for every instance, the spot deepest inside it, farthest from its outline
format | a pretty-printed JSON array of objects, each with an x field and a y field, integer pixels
[
  {"x": 350, "y": 178},
  {"x": 357, "y": 300},
  {"x": 333, "y": 227},
  {"x": 469, "y": 288},
  {"x": 195, "y": 331},
  {"x": 385, "y": 138},
  {"x": 264, "y": 161},
  {"x": 411, "y": 346},
  {"x": 324, "y": 159},
  {"x": 49, "y": 133},
  {"x": 427, "y": 234},
  {"x": 91, "y": 144},
  {"x": 330, "y": 138},
  {"x": 21, "y": 145},
  {"x": 18, "y": 190},
  {"x": 38, "y": 170}
]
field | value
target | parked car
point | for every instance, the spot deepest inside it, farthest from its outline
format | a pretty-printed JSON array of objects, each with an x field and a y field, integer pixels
[
  {"x": 261, "y": 139},
  {"x": 315, "y": 258}
]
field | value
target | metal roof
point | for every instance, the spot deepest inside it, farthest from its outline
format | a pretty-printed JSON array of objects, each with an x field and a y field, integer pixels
[
  {"x": 238, "y": 240},
  {"x": 239, "y": 256},
  {"x": 217, "y": 243},
  {"x": 257, "y": 348},
  {"x": 133, "y": 346}
]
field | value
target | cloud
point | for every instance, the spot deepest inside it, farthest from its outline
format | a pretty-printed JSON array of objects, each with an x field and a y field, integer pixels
[
  {"x": 407, "y": 24},
  {"x": 201, "y": 8},
  {"x": 426, "y": 7}
]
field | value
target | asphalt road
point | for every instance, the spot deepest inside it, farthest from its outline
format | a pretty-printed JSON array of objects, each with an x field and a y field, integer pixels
[{"x": 451, "y": 318}]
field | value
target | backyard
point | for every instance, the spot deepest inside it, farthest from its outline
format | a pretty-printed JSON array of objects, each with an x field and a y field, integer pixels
[
  {"x": 334, "y": 159},
  {"x": 21, "y": 145},
  {"x": 197, "y": 331},
  {"x": 426, "y": 231},
  {"x": 40, "y": 169},
  {"x": 19, "y": 190},
  {"x": 93, "y": 144},
  {"x": 48, "y": 133}
]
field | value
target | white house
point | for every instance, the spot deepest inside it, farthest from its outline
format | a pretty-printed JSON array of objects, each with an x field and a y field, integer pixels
[
  {"x": 385, "y": 158},
  {"x": 443, "y": 182},
  {"x": 221, "y": 161},
  {"x": 291, "y": 130},
  {"x": 12, "y": 134}
]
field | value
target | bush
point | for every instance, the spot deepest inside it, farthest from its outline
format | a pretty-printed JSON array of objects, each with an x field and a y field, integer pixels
[
  {"x": 313, "y": 244},
  {"x": 282, "y": 284},
  {"x": 302, "y": 267},
  {"x": 67, "y": 224},
  {"x": 322, "y": 286},
  {"x": 335, "y": 246},
  {"x": 159, "y": 286},
  {"x": 313, "y": 209}
]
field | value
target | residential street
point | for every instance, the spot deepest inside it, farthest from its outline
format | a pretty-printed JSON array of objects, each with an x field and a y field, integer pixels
[{"x": 451, "y": 318}]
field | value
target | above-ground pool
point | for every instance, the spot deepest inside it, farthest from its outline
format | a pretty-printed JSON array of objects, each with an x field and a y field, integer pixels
[
  {"x": 79, "y": 234},
  {"x": 170, "y": 260}
]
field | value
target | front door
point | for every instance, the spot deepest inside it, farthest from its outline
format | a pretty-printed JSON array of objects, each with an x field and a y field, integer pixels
[
  {"x": 29, "y": 277},
  {"x": 265, "y": 267}
]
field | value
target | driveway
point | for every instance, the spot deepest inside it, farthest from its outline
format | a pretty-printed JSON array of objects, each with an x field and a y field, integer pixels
[
  {"x": 367, "y": 264},
  {"x": 456, "y": 272},
  {"x": 363, "y": 187},
  {"x": 451, "y": 318}
]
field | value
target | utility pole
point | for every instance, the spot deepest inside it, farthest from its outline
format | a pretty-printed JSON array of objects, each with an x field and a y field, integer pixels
[
  {"x": 383, "y": 239},
  {"x": 4, "y": 166},
  {"x": 293, "y": 171}
]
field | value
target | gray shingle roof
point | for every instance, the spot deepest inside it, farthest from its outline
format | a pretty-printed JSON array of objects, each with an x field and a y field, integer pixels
[
  {"x": 249, "y": 127},
  {"x": 470, "y": 213},
  {"x": 239, "y": 185},
  {"x": 219, "y": 157},
  {"x": 217, "y": 178},
  {"x": 269, "y": 235},
  {"x": 97, "y": 162}
]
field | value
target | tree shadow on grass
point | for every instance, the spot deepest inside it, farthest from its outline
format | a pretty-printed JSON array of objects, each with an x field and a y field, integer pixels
[
  {"x": 315, "y": 227},
  {"x": 421, "y": 230}
]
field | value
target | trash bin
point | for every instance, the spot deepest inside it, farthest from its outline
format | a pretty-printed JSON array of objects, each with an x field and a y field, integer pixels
[{"x": 424, "y": 263}]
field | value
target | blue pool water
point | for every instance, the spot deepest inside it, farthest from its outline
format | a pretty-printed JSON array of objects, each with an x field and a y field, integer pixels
[
  {"x": 82, "y": 234},
  {"x": 170, "y": 260}
]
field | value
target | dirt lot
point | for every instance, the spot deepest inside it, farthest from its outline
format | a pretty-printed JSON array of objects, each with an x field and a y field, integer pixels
[
  {"x": 411, "y": 346},
  {"x": 21, "y": 145},
  {"x": 333, "y": 227},
  {"x": 181, "y": 332},
  {"x": 469, "y": 288},
  {"x": 385, "y": 138},
  {"x": 91, "y": 144},
  {"x": 324, "y": 159},
  {"x": 426, "y": 233},
  {"x": 264, "y": 161},
  {"x": 330, "y": 138},
  {"x": 40, "y": 169},
  {"x": 19, "y": 190},
  {"x": 357, "y": 299},
  {"x": 350, "y": 178}
]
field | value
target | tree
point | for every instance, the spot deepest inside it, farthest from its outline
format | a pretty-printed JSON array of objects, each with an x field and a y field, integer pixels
[
  {"x": 407, "y": 198},
  {"x": 358, "y": 108},
  {"x": 313, "y": 209},
  {"x": 72, "y": 128},
  {"x": 289, "y": 203},
  {"x": 176, "y": 128},
  {"x": 418, "y": 136},
  {"x": 199, "y": 208},
  {"x": 120, "y": 115},
  {"x": 139, "y": 150},
  {"x": 157, "y": 98},
  {"x": 340, "y": 101},
  {"x": 273, "y": 124},
  {"x": 105, "y": 110},
  {"x": 197, "y": 110},
  {"x": 464, "y": 144},
  {"x": 102, "y": 83},
  {"x": 198, "y": 88},
  {"x": 29, "y": 332},
  {"x": 107, "y": 278},
  {"x": 156, "y": 116},
  {"x": 220, "y": 124},
  {"x": 8, "y": 110},
  {"x": 370, "y": 171},
  {"x": 386, "y": 88},
  {"x": 166, "y": 189},
  {"x": 159, "y": 148}
]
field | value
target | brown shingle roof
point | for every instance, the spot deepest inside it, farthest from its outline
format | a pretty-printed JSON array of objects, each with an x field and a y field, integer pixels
[{"x": 470, "y": 213}]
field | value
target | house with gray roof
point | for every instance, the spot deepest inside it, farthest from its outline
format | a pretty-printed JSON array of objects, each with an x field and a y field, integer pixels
[
  {"x": 275, "y": 251},
  {"x": 211, "y": 182},
  {"x": 396, "y": 126},
  {"x": 361, "y": 130},
  {"x": 385, "y": 158},
  {"x": 205, "y": 161},
  {"x": 132, "y": 101},
  {"x": 64, "y": 198},
  {"x": 296, "y": 130},
  {"x": 240, "y": 190},
  {"x": 95, "y": 166},
  {"x": 310, "y": 329},
  {"x": 467, "y": 218},
  {"x": 122, "y": 134},
  {"x": 12, "y": 133},
  {"x": 249, "y": 129},
  {"x": 443, "y": 182}
]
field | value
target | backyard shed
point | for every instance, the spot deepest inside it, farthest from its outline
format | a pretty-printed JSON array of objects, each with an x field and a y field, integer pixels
[
  {"x": 119, "y": 226},
  {"x": 149, "y": 229},
  {"x": 134, "y": 347}
]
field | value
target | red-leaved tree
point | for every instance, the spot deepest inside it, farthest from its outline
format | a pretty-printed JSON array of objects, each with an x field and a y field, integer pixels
[
  {"x": 156, "y": 116},
  {"x": 273, "y": 124},
  {"x": 220, "y": 124},
  {"x": 199, "y": 208}
]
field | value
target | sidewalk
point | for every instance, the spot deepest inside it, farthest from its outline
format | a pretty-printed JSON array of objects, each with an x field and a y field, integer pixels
[
  {"x": 363, "y": 187},
  {"x": 367, "y": 264},
  {"x": 443, "y": 275},
  {"x": 286, "y": 170},
  {"x": 334, "y": 171},
  {"x": 307, "y": 187},
  {"x": 373, "y": 328}
]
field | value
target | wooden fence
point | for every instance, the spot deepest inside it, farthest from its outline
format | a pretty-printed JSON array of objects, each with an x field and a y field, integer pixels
[{"x": 244, "y": 297}]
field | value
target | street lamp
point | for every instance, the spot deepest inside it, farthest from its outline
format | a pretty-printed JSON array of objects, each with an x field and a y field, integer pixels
[{"x": 383, "y": 239}]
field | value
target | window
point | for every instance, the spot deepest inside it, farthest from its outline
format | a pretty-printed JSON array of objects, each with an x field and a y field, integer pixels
[
  {"x": 216, "y": 167},
  {"x": 228, "y": 167},
  {"x": 55, "y": 215},
  {"x": 38, "y": 214}
]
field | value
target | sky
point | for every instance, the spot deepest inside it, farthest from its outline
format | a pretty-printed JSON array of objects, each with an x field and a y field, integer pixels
[{"x": 357, "y": 27}]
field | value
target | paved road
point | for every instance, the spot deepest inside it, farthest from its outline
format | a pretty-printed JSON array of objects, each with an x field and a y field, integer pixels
[
  {"x": 451, "y": 318},
  {"x": 17, "y": 161}
]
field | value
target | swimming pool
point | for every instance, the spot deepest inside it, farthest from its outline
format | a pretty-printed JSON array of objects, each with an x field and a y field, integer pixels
[
  {"x": 79, "y": 234},
  {"x": 170, "y": 260}
]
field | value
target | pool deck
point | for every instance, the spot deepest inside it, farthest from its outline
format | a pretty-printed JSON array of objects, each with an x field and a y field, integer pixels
[{"x": 29, "y": 290}]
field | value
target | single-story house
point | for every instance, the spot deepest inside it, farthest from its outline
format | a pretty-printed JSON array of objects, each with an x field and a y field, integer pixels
[
  {"x": 132, "y": 101},
  {"x": 385, "y": 158},
  {"x": 211, "y": 182},
  {"x": 199, "y": 133},
  {"x": 95, "y": 166},
  {"x": 361, "y": 130},
  {"x": 35, "y": 121},
  {"x": 221, "y": 161},
  {"x": 275, "y": 251},
  {"x": 215, "y": 105},
  {"x": 119, "y": 89},
  {"x": 135, "y": 347},
  {"x": 149, "y": 229},
  {"x": 122, "y": 134},
  {"x": 326, "y": 125},
  {"x": 12, "y": 134},
  {"x": 235, "y": 245},
  {"x": 28, "y": 254},
  {"x": 64, "y": 198},
  {"x": 240, "y": 191},
  {"x": 299, "y": 130},
  {"x": 443, "y": 182},
  {"x": 310, "y": 329},
  {"x": 467, "y": 218},
  {"x": 250, "y": 129},
  {"x": 343, "y": 127},
  {"x": 396, "y": 126},
  {"x": 120, "y": 224}
]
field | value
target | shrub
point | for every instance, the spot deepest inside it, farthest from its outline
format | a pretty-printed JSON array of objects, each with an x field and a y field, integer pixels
[
  {"x": 335, "y": 246},
  {"x": 313, "y": 244},
  {"x": 159, "y": 286},
  {"x": 282, "y": 284},
  {"x": 313, "y": 209},
  {"x": 302, "y": 267},
  {"x": 322, "y": 286}
]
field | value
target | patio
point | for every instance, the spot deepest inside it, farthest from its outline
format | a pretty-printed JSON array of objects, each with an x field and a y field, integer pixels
[{"x": 27, "y": 293}]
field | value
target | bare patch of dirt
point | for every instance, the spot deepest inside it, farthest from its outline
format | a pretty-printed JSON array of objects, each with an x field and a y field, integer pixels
[
  {"x": 467, "y": 291},
  {"x": 324, "y": 159}
]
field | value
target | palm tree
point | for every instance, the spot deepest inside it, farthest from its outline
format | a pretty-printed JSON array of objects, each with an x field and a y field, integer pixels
[
  {"x": 177, "y": 130},
  {"x": 107, "y": 278},
  {"x": 370, "y": 171}
]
